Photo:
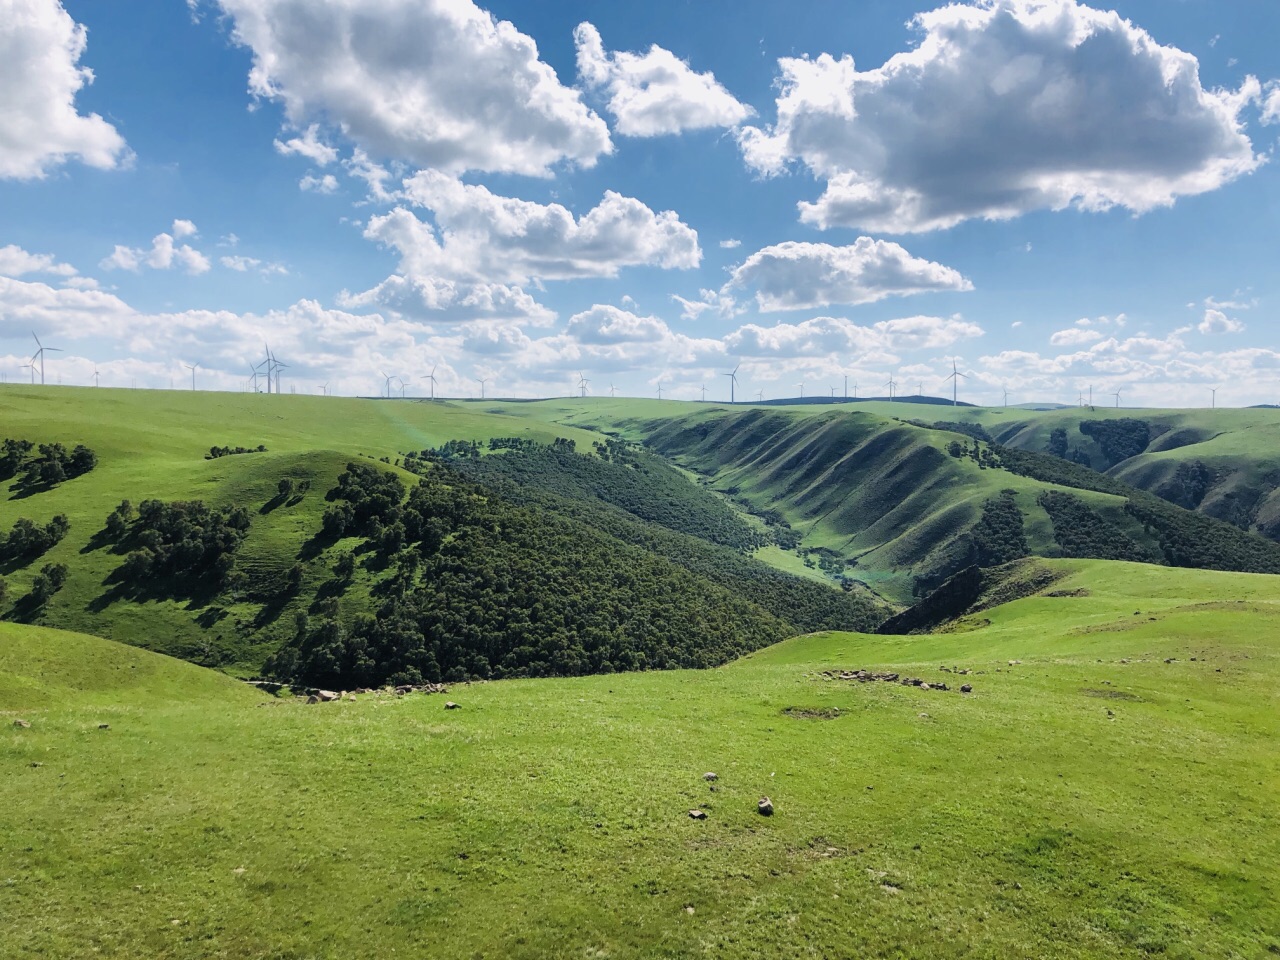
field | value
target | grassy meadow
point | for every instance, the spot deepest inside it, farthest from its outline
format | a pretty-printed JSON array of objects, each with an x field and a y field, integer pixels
[{"x": 1112, "y": 794}]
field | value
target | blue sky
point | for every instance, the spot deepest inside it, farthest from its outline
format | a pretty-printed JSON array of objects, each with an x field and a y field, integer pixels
[{"x": 1052, "y": 195}]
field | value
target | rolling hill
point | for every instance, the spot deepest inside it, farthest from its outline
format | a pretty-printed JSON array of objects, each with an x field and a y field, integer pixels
[{"x": 1105, "y": 789}]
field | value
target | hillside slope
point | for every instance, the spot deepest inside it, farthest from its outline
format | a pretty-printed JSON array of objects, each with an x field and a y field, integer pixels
[{"x": 1109, "y": 794}]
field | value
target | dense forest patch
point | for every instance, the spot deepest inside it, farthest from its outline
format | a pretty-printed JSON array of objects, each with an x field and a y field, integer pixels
[
  {"x": 1081, "y": 532},
  {"x": 43, "y": 466},
  {"x": 481, "y": 587}
]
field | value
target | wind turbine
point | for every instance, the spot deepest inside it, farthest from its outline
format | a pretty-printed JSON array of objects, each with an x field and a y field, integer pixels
[
  {"x": 955, "y": 383},
  {"x": 1212, "y": 390},
  {"x": 890, "y": 383},
  {"x": 324, "y": 389},
  {"x": 39, "y": 355},
  {"x": 613, "y": 391},
  {"x": 833, "y": 393},
  {"x": 733, "y": 383},
  {"x": 403, "y": 383},
  {"x": 192, "y": 368},
  {"x": 582, "y": 385},
  {"x": 846, "y": 386},
  {"x": 760, "y": 396},
  {"x": 95, "y": 376},
  {"x": 432, "y": 377},
  {"x": 801, "y": 386},
  {"x": 386, "y": 384},
  {"x": 32, "y": 368},
  {"x": 1006, "y": 396},
  {"x": 659, "y": 389},
  {"x": 1117, "y": 396},
  {"x": 482, "y": 381}
]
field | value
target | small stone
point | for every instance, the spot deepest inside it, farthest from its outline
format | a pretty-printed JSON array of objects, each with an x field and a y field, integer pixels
[
  {"x": 710, "y": 777},
  {"x": 765, "y": 807},
  {"x": 450, "y": 705},
  {"x": 104, "y": 726},
  {"x": 688, "y": 909},
  {"x": 327, "y": 696},
  {"x": 924, "y": 716},
  {"x": 966, "y": 688},
  {"x": 697, "y": 815},
  {"x": 22, "y": 724},
  {"x": 36, "y": 764}
]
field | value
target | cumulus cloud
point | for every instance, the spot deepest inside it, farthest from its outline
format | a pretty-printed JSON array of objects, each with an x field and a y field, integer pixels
[
  {"x": 437, "y": 84},
  {"x": 1271, "y": 104},
  {"x": 1215, "y": 321},
  {"x": 1073, "y": 336},
  {"x": 822, "y": 336},
  {"x": 440, "y": 300},
  {"x": 164, "y": 254},
  {"x": 184, "y": 228},
  {"x": 717, "y": 301},
  {"x": 327, "y": 183},
  {"x": 40, "y": 49},
  {"x": 242, "y": 264},
  {"x": 492, "y": 238},
  {"x": 1004, "y": 107},
  {"x": 604, "y": 324},
  {"x": 654, "y": 93},
  {"x": 16, "y": 262},
  {"x": 308, "y": 145},
  {"x": 793, "y": 276}
]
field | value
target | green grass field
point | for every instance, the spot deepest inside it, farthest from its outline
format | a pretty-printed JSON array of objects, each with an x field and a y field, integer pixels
[{"x": 1092, "y": 800}]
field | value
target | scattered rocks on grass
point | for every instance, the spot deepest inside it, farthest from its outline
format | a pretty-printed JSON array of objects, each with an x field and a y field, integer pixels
[
  {"x": 22, "y": 724},
  {"x": 327, "y": 696},
  {"x": 450, "y": 705},
  {"x": 697, "y": 815},
  {"x": 966, "y": 688},
  {"x": 765, "y": 807},
  {"x": 710, "y": 777},
  {"x": 866, "y": 676}
]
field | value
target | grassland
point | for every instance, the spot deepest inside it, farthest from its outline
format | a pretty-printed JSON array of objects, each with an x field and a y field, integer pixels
[{"x": 1093, "y": 800}]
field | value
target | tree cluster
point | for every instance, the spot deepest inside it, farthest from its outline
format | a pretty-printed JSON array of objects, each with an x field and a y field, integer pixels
[
  {"x": 1082, "y": 532},
  {"x": 1119, "y": 439},
  {"x": 482, "y": 587},
  {"x": 46, "y": 465},
  {"x": 181, "y": 540},
  {"x": 216, "y": 452},
  {"x": 28, "y": 539},
  {"x": 999, "y": 536}
]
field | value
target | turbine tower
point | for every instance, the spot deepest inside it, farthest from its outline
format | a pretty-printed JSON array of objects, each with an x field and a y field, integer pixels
[
  {"x": 95, "y": 376},
  {"x": 1213, "y": 390},
  {"x": 659, "y": 389},
  {"x": 890, "y": 383},
  {"x": 39, "y": 355},
  {"x": 801, "y": 386},
  {"x": 760, "y": 396},
  {"x": 733, "y": 383},
  {"x": 613, "y": 391},
  {"x": 432, "y": 377},
  {"x": 1006, "y": 396},
  {"x": 582, "y": 385},
  {"x": 955, "y": 383},
  {"x": 192, "y": 368},
  {"x": 1117, "y": 396},
  {"x": 482, "y": 381}
]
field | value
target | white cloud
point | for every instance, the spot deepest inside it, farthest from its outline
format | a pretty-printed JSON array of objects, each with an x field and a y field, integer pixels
[
  {"x": 604, "y": 324},
  {"x": 438, "y": 84},
  {"x": 498, "y": 239},
  {"x": 242, "y": 264},
  {"x": 439, "y": 300},
  {"x": 723, "y": 304},
  {"x": 792, "y": 276},
  {"x": 1215, "y": 321},
  {"x": 656, "y": 92},
  {"x": 308, "y": 145},
  {"x": 40, "y": 47},
  {"x": 327, "y": 183},
  {"x": 1004, "y": 107},
  {"x": 730, "y": 244},
  {"x": 16, "y": 262},
  {"x": 824, "y": 336},
  {"x": 1271, "y": 103},
  {"x": 163, "y": 255},
  {"x": 184, "y": 228},
  {"x": 1074, "y": 336}
]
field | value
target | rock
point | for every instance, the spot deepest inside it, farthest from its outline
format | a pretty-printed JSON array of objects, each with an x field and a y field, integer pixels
[
  {"x": 403, "y": 689},
  {"x": 104, "y": 726},
  {"x": 22, "y": 724},
  {"x": 765, "y": 807},
  {"x": 450, "y": 705},
  {"x": 35, "y": 764},
  {"x": 926, "y": 686},
  {"x": 697, "y": 815},
  {"x": 313, "y": 699},
  {"x": 941, "y": 686},
  {"x": 1013, "y": 663},
  {"x": 327, "y": 696},
  {"x": 924, "y": 716},
  {"x": 351, "y": 697},
  {"x": 710, "y": 777},
  {"x": 966, "y": 688}
]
